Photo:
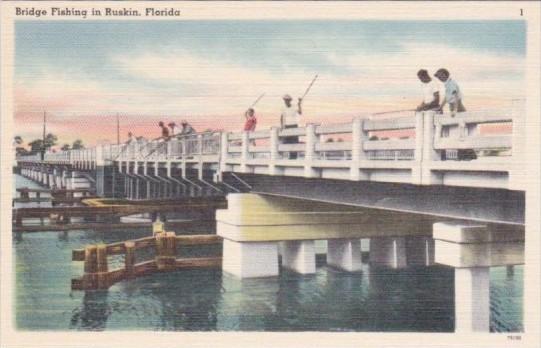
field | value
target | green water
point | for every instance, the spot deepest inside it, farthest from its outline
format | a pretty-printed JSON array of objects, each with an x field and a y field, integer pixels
[{"x": 376, "y": 299}]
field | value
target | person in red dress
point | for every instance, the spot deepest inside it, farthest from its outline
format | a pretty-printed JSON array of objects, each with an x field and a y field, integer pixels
[{"x": 251, "y": 122}]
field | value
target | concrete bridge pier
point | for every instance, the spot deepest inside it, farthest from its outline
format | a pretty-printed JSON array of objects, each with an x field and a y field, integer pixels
[
  {"x": 255, "y": 227},
  {"x": 344, "y": 254},
  {"x": 388, "y": 251},
  {"x": 299, "y": 256},
  {"x": 472, "y": 250},
  {"x": 78, "y": 181}
]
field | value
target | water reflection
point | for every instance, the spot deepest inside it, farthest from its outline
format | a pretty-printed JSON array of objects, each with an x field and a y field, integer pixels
[{"x": 93, "y": 313}]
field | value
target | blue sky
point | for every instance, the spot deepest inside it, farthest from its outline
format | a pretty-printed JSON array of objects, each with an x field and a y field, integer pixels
[{"x": 210, "y": 70}]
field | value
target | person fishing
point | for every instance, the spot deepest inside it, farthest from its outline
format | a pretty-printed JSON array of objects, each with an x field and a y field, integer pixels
[
  {"x": 165, "y": 130},
  {"x": 172, "y": 125},
  {"x": 290, "y": 119},
  {"x": 290, "y": 116},
  {"x": 431, "y": 95},
  {"x": 186, "y": 128},
  {"x": 251, "y": 122}
]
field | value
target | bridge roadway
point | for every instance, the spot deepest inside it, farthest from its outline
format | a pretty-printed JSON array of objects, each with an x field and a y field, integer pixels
[{"x": 410, "y": 196}]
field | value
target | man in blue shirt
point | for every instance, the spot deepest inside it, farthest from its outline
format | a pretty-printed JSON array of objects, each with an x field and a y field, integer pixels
[{"x": 453, "y": 95}]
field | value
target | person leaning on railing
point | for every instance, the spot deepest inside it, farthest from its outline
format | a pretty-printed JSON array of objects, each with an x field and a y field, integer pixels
[
  {"x": 431, "y": 94},
  {"x": 290, "y": 119},
  {"x": 453, "y": 97},
  {"x": 186, "y": 128}
]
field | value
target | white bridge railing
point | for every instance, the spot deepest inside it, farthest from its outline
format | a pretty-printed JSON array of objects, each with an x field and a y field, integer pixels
[{"x": 416, "y": 149}]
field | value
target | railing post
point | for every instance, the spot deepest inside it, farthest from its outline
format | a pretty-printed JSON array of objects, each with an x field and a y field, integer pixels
[
  {"x": 273, "y": 150},
  {"x": 309, "y": 152},
  {"x": 358, "y": 155},
  {"x": 224, "y": 154},
  {"x": 429, "y": 154},
  {"x": 418, "y": 152},
  {"x": 99, "y": 156},
  {"x": 244, "y": 152},
  {"x": 200, "y": 160}
]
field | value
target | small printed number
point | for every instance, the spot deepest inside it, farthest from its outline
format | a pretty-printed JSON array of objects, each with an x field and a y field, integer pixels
[
  {"x": 522, "y": 12},
  {"x": 514, "y": 337}
]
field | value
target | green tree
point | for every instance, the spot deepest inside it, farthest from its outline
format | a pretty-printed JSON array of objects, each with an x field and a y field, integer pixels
[
  {"x": 77, "y": 145},
  {"x": 50, "y": 140},
  {"x": 21, "y": 151},
  {"x": 38, "y": 146},
  {"x": 65, "y": 147}
]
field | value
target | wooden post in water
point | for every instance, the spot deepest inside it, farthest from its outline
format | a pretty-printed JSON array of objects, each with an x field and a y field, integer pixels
[
  {"x": 165, "y": 250},
  {"x": 129, "y": 259},
  {"x": 90, "y": 267},
  {"x": 157, "y": 227},
  {"x": 103, "y": 277}
]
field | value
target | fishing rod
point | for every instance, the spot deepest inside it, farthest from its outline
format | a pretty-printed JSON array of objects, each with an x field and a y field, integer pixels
[
  {"x": 392, "y": 112},
  {"x": 309, "y": 87},
  {"x": 257, "y": 100}
]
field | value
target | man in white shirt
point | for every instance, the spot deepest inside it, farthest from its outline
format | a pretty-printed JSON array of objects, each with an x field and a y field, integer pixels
[
  {"x": 290, "y": 118},
  {"x": 431, "y": 94}
]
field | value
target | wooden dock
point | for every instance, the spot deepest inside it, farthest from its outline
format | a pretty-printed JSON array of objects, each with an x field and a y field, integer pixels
[
  {"x": 63, "y": 215},
  {"x": 96, "y": 268},
  {"x": 104, "y": 226}
]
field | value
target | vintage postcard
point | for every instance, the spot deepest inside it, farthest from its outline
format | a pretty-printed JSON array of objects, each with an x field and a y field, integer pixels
[{"x": 270, "y": 174}]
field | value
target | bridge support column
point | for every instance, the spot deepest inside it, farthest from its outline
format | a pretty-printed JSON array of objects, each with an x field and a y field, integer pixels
[
  {"x": 388, "y": 251},
  {"x": 344, "y": 254},
  {"x": 254, "y": 225},
  {"x": 299, "y": 256},
  {"x": 420, "y": 251},
  {"x": 250, "y": 259},
  {"x": 472, "y": 250},
  {"x": 472, "y": 299}
]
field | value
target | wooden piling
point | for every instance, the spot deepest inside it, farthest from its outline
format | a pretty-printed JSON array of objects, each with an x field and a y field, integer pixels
[
  {"x": 90, "y": 268},
  {"x": 102, "y": 269},
  {"x": 129, "y": 259},
  {"x": 166, "y": 250}
]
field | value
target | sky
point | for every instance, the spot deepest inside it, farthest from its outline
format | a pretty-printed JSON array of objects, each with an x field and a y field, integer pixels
[{"x": 84, "y": 73}]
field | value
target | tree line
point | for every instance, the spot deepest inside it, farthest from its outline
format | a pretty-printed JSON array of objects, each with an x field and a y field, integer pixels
[{"x": 43, "y": 145}]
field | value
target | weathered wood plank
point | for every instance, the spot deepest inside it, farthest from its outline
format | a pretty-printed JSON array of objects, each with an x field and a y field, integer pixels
[
  {"x": 199, "y": 239},
  {"x": 200, "y": 262},
  {"x": 97, "y": 226}
]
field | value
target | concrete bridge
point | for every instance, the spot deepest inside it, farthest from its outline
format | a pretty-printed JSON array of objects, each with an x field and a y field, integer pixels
[{"x": 408, "y": 194}]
